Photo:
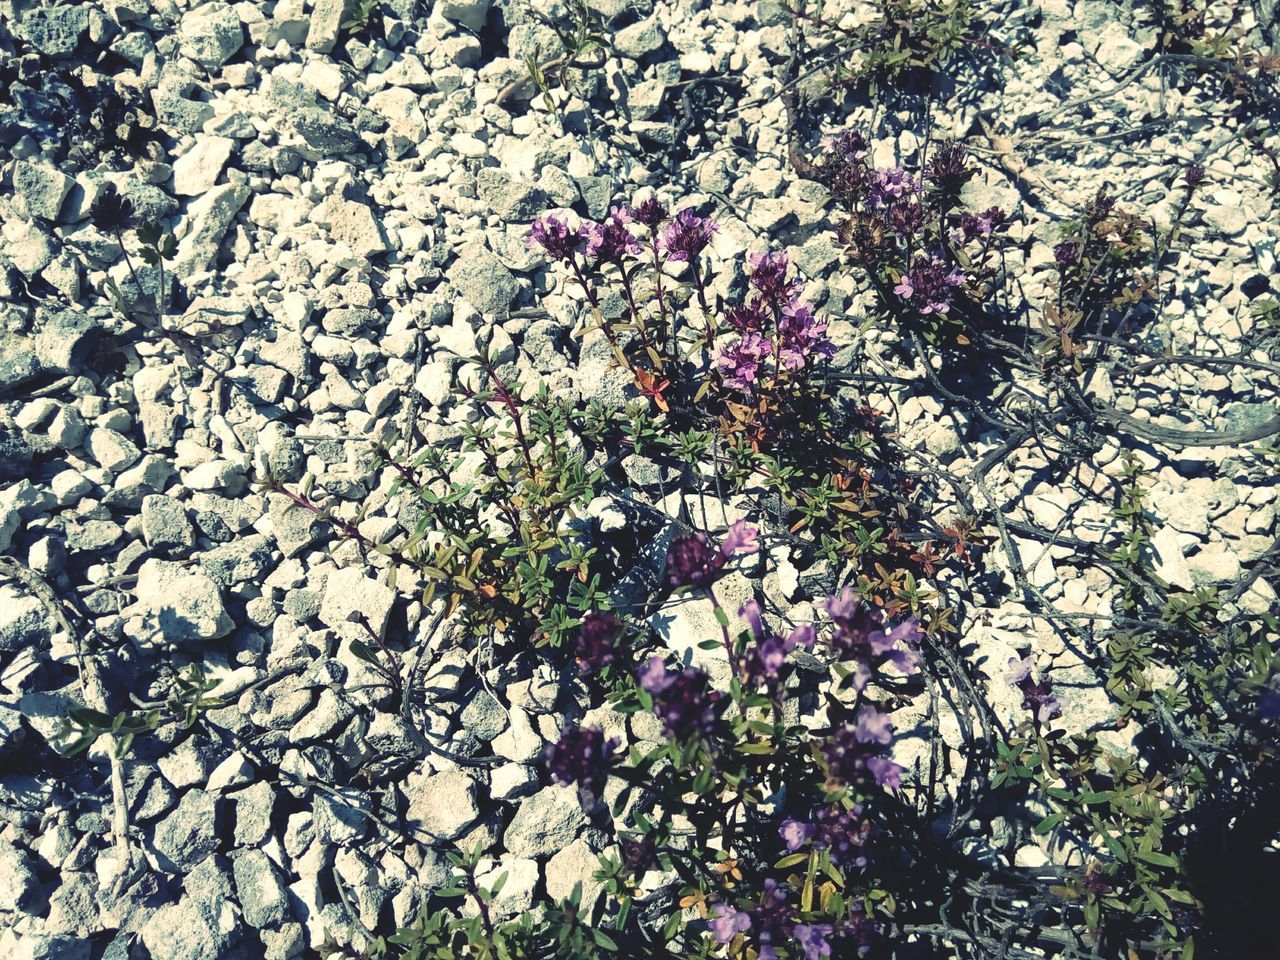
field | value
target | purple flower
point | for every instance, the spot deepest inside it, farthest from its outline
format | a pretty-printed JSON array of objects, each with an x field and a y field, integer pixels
[
  {"x": 795, "y": 833},
  {"x": 1194, "y": 176},
  {"x": 947, "y": 169},
  {"x": 772, "y": 919},
  {"x": 812, "y": 938},
  {"x": 611, "y": 241},
  {"x": 749, "y": 317},
  {"x": 740, "y": 361},
  {"x": 929, "y": 284},
  {"x": 890, "y": 185},
  {"x": 638, "y": 854},
  {"x": 649, "y": 213},
  {"x": 1036, "y": 697},
  {"x": 854, "y": 752},
  {"x": 1066, "y": 253},
  {"x": 596, "y": 641},
  {"x": 801, "y": 337},
  {"x": 582, "y": 756},
  {"x": 844, "y": 834},
  {"x": 682, "y": 699},
  {"x": 769, "y": 276},
  {"x": 861, "y": 635},
  {"x": 687, "y": 236},
  {"x": 764, "y": 658},
  {"x": 906, "y": 217},
  {"x": 692, "y": 563},
  {"x": 552, "y": 233},
  {"x": 843, "y": 167},
  {"x": 727, "y": 922}
]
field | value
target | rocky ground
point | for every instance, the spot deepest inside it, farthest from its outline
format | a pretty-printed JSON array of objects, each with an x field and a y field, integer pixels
[{"x": 350, "y": 207}]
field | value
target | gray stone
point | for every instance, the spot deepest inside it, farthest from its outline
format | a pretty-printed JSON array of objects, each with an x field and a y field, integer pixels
[
  {"x": 209, "y": 217},
  {"x": 469, "y": 13},
  {"x": 352, "y": 224},
  {"x": 187, "y": 764},
  {"x": 112, "y": 451},
  {"x": 511, "y": 199},
  {"x": 441, "y": 806},
  {"x": 19, "y": 886},
  {"x": 327, "y": 17},
  {"x": 165, "y": 526},
  {"x": 1171, "y": 565},
  {"x": 483, "y": 281},
  {"x": 483, "y": 717},
  {"x": 187, "y": 605},
  {"x": 55, "y": 31},
  {"x": 349, "y": 591},
  {"x": 576, "y": 863},
  {"x": 253, "y": 809},
  {"x": 211, "y": 35},
  {"x": 243, "y": 560},
  {"x": 183, "y": 931},
  {"x": 639, "y": 39},
  {"x": 24, "y": 622},
  {"x": 545, "y": 823},
  {"x": 190, "y": 833},
  {"x": 259, "y": 889},
  {"x": 325, "y": 132},
  {"x": 41, "y": 188},
  {"x": 179, "y": 116},
  {"x": 197, "y": 170}
]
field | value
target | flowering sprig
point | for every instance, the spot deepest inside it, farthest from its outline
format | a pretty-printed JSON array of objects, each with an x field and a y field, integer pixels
[{"x": 1037, "y": 696}]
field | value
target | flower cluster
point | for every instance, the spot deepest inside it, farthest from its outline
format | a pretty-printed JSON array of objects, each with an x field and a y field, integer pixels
[
  {"x": 842, "y": 832},
  {"x": 1037, "y": 697},
  {"x": 861, "y": 636},
  {"x": 772, "y": 922},
  {"x": 762, "y": 662},
  {"x": 683, "y": 699},
  {"x": 855, "y": 751},
  {"x": 582, "y": 756},
  {"x": 686, "y": 236},
  {"x": 692, "y": 562},
  {"x": 930, "y": 284},
  {"x": 597, "y": 641},
  {"x": 797, "y": 341}
]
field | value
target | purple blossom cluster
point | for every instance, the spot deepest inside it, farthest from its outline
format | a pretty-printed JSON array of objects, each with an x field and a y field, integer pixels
[
  {"x": 682, "y": 699},
  {"x": 855, "y": 751},
  {"x": 582, "y": 756},
  {"x": 597, "y": 641},
  {"x": 861, "y": 636},
  {"x": 693, "y": 562},
  {"x": 798, "y": 338},
  {"x": 1038, "y": 696},
  {"x": 842, "y": 833},
  {"x": 762, "y": 663},
  {"x": 930, "y": 284},
  {"x": 612, "y": 240},
  {"x": 771, "y": 922}
]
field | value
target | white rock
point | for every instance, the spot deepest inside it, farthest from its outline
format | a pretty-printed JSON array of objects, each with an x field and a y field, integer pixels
[
  {"x": 187, "y": 605},
  {"x": 1171, "y": 565},
  {"x": 197, "y": 170}
]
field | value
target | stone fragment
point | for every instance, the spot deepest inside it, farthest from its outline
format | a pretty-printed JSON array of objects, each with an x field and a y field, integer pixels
[
  {"x": 545, "y": 823},
  {"x": 41, "y": 188},
  {"x": 183, "y": 931},
  {"x": 165, "y": 526},
  {"x": 209, "y": 217},
  {"x": 441, "y": 806},
  {"x": 190, "y": 833},
  {"x": 55, "y": 31},
  {"x": 576, "y": 863},
  {"x": 197, "y": 170},
  {"x": 352, "y": 224},
  {"x": 210, "y": 35},
  {"x": 187, "y": 605},
  {"x": 327, "y": 17},
  {"x": 1171, "y": 565},
  {"x": 349, "y": 591},
  {"x": 469, "y": 13},
  {"x": 261, "y": 893},
  {"x": 483, "y": 281},
  {"x": 639, "y": 39},
  {"x": 111, "y": 450}
]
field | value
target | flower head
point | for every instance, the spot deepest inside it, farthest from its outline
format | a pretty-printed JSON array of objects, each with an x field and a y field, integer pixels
[
  {"x": 111, "y": 212},
  {"x": 891, "y": 185},
  {"x": 687, "y": 235},
  {"x": 1194, "y": 176},
  {"x": 854, "y": 752},
  {"x": 650, "y": 213},
  {"x": 553, "y": 234},
  {"x": 582, "y": 756},
  {"x": 795, "y": 833},
  {"x": 801, "y": 337},
  {"x": 691, "y": 562},
  {"x": 812, "y": 938},
  {"x": 740, "y": 361},
  {"x": 726, "y": 922},
  {"x": 682, "y": 700},
  {"x": 596, "y": 641},
  {"x": 861, "y": 635},
  {"x": 844, "y": 834},
  {"x": 769, "y": 276},
  {"x": 930, "y": 284},
  {"x": 1036, "y": 697},
  {"x": 1066, "y": 253},
  {"x": 749, "y": 317},
  {"x": 611, "y": 241},
  {"x": 947, "y": 169},
  {"x": 763, "y": 660}
]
